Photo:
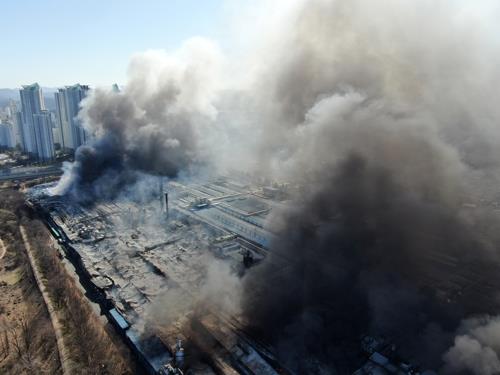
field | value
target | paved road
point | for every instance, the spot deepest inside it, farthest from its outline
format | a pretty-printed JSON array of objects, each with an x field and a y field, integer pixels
[{"x": 27, "y": 174}]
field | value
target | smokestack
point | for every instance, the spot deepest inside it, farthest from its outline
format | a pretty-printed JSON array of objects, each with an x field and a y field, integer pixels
[
  {"x": 160, "y": 190},
  {"x": 166, "y": 204}
]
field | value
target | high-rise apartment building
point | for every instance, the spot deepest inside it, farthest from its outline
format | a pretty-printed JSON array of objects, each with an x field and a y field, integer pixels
[
  {"x": 19, "y": 130},
  {"x": 62, "y": 122},
  {"x": 32, "y": 104},
  {"x": 6, "y": 135},
  {"x": 68, "y": 101},
  {"x": 17, "y": 124},
  {"x": 43, "y": 135}
]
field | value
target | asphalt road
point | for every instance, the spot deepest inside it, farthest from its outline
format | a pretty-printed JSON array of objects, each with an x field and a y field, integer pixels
[{"x": 30, "y": 173}]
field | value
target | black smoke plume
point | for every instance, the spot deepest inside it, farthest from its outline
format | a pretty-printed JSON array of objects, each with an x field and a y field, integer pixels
[
  {"x": 383, "y": 117},
  {"x": 363, "y": 254},
  {"x": 375, "y": 120},
  {"x": 155, "y": 125}
]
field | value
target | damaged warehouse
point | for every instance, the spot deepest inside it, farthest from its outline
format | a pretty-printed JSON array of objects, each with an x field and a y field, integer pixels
[
  {"x": 171, "y": 284},
  {"x": 135, "y": 257}
]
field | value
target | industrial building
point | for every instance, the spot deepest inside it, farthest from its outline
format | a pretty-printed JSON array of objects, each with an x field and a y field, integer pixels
[{"x": 130, "y": 255}]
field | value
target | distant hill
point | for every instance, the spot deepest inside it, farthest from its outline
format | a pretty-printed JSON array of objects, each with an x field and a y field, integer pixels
[{"x": 48, "y": 95}]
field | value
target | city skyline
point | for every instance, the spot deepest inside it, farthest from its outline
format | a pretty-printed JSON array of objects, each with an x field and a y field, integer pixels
[{"x": 28, "y": 125}]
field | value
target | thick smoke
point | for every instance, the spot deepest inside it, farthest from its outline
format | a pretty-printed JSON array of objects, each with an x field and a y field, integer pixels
[
  {"x": 368, "y": 241},
  {"x": 476, "y": 348},
  {"x": 385, "y": 126},
  {"x": 220, "y": 291},
  {"x": 156, "y": 125},
  {"x": 446, "y": 70},
  {"x": 382, "y": 116}
]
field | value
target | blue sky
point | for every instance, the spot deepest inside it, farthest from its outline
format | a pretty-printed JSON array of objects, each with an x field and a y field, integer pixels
[{"x": 60, "y": 42}]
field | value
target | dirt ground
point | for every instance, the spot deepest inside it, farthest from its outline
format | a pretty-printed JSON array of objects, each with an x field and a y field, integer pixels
[{"x": 27, "y": 341}]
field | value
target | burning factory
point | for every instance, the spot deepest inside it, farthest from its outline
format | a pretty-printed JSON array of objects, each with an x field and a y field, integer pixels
[
  {"x": 168, "y": 274},
  {"x": 137, "y": 259},
  {"x": 382, "y": 118}
]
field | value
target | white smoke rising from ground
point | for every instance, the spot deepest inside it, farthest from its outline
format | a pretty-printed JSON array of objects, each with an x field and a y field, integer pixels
[
  {"x": 222, "y": 289},
  {"x": 220, "y": 292}
]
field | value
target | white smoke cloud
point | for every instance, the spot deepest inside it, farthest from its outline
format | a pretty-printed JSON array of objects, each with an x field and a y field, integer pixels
[
  {"x": 220, "y": 293},
  {"x": 476, "y": 348},
  {"x": 222, "y": 289}
]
